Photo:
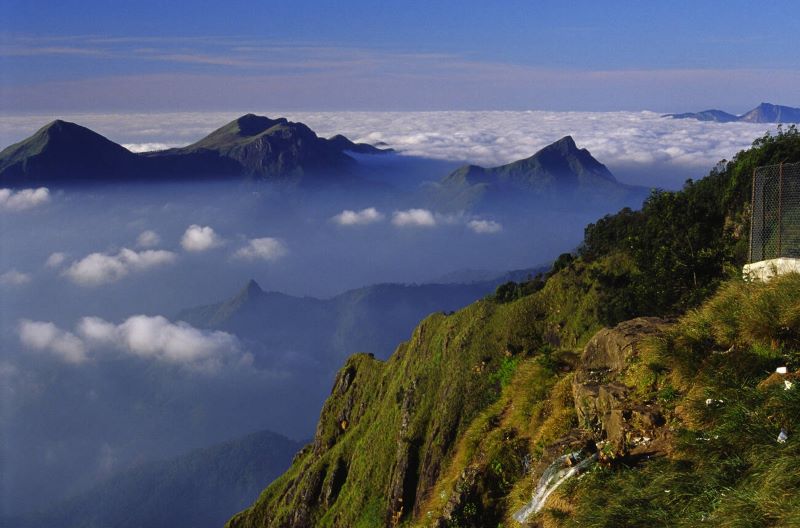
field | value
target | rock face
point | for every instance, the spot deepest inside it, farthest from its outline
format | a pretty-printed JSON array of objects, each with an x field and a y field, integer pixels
[{"x": 604, "y": 403}]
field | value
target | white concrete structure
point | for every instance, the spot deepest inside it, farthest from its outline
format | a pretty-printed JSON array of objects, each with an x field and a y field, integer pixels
[{"x": 764, "y": 270}]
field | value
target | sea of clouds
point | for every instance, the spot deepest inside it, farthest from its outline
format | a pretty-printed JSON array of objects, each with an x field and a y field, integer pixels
[{"x": 639, "y": 147}]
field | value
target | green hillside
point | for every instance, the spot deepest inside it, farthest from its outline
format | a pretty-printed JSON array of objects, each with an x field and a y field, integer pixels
[{"x": 457, "y": 426}]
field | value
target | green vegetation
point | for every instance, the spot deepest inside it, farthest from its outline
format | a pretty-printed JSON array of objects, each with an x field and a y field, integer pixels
[
  {"x": 727, "y": 468},
  {"x": 390, "y": 429},
  {"x": 453, "y": 429},
  {"x": 681, "y": 245}
]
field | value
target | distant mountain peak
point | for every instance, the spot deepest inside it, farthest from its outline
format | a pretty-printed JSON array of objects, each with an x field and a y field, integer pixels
[
  {"x": 58, "y": 123},
  {"x": 763, "y": 113},
  {"x": 252, "y": 124},
  {"x": 252, "y": 287},
  {"x": 61, "y": 149},
  {"x": 59, "y": 127},
  {"x": 565, "y": 142},
  {"x": 770, "y": 113},
  {"x": 250, "y": 290},
  {"x": 563, "y": 160},
  {"x": 565, "y": 147},
  {"x": 560, "y": 170}
]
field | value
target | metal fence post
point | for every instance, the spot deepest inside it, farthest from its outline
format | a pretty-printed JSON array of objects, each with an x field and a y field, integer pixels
[
  {"x": 752, "y": 210},
  {"x": 780, "y": 210},
  {"x": 763, "y": 217}
]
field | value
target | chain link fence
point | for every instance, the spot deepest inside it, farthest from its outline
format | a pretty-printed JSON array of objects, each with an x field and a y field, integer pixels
[{"x": 775, "y": 225}]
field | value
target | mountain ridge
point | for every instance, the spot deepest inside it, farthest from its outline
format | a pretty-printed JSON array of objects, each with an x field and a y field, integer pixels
[
  {"x": 250, "y": 146},
  {"x": 372, "y": 318},
  {"x": 763, "y": 113}
]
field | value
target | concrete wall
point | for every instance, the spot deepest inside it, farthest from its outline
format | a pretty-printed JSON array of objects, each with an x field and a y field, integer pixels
[{"x": 766, "y": 269}]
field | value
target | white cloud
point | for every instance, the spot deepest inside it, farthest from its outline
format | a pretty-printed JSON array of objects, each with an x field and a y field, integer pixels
[
  {"x": 147, "y": 337},
  {"x": 102, "y": 268},
  {"x": 200, "y": 238},
  {"x": 348, "y": 217},
  {"x": 148, "y": 239},
  {"x": 55, "y": 259},
  {"x": 484, "y": 227},
  {"x": 155, "y": 337},
  {"x": 266, "y": 248},
  {"x": 149, "y": 147},
  {"x": 97, "y": 331},
  {"x": 414, "y": 218},
  {"x": 44, "y": 336},
  {"x": 23, "y": 199},
  {"x": 14, "y": 278}
]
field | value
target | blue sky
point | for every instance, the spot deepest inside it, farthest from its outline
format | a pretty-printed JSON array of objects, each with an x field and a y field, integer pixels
[{"x": 336, "y": 55}]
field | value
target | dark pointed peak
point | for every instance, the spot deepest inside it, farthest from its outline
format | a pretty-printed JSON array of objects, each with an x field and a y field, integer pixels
[
  {"x": 251, "y": 287},
  {"x": 563, "y": 148},
  {"x": 250, "y": 291},
  {"x": 565, "y": 144},
  {"x": 59, "y": 126}
]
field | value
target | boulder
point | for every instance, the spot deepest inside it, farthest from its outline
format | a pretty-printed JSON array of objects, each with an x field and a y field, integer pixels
[{"x": 604, "y": 404}]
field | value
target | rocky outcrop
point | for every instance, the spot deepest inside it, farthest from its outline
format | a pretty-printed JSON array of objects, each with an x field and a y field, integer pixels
[
  {"x": 605, "y": 405},
  {"x": 346, "y": 405},
  {"x": 403, "y": 479}
]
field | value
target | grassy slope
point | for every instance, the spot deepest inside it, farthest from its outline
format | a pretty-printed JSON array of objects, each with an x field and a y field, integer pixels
[
  {"x": 450, "y": 379},
  {"x": 423, "y": 399},
  {"x": 475, "y": 400},
  {"x": 727, "y": 469}
]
